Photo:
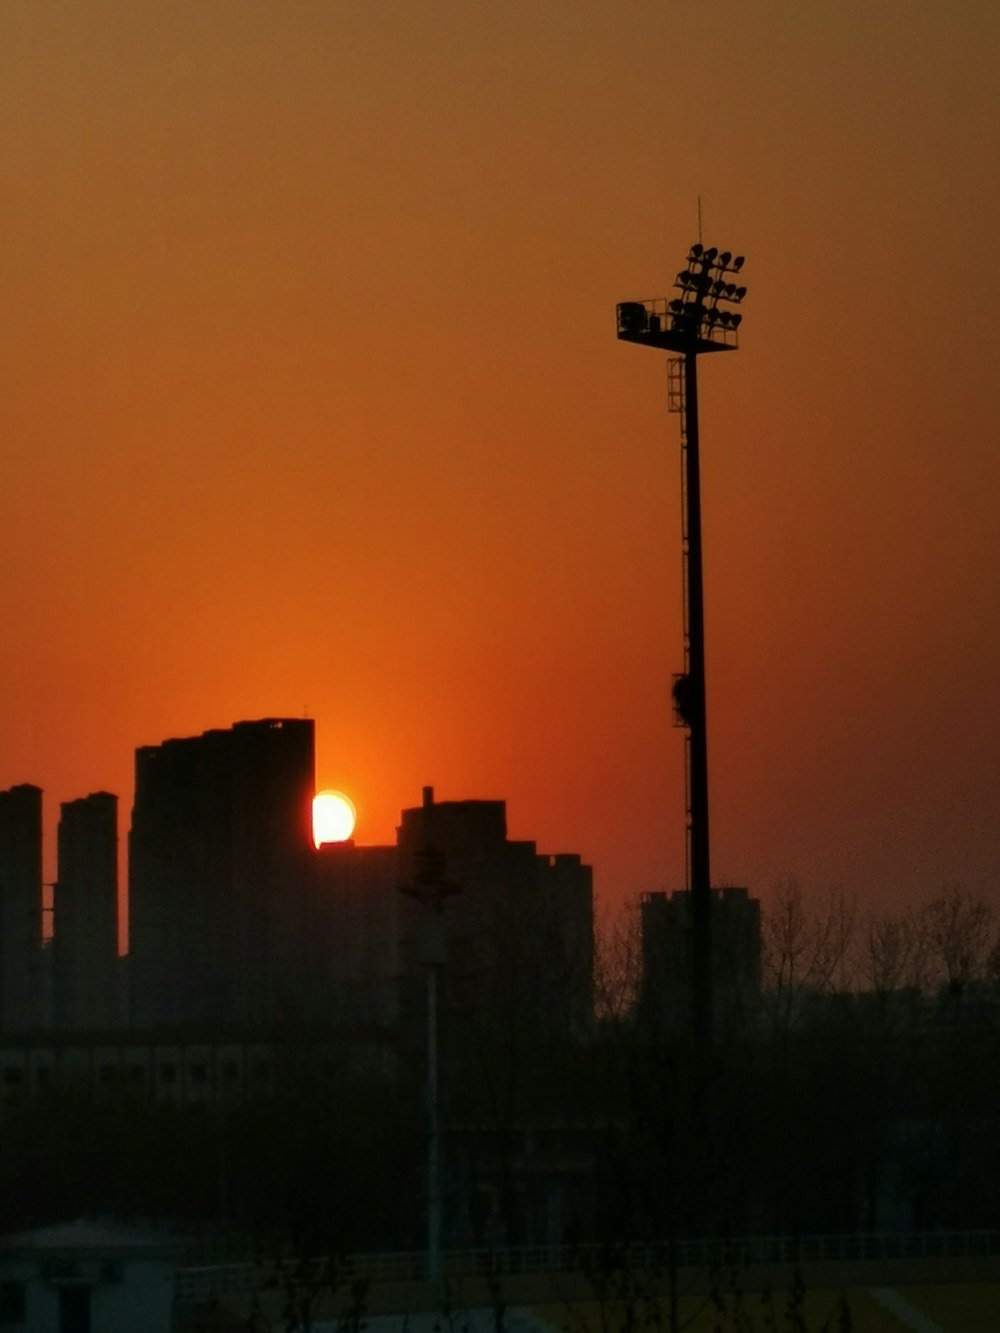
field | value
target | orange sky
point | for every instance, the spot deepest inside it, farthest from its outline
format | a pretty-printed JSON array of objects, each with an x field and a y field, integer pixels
[{"x": 311, "y": 399}]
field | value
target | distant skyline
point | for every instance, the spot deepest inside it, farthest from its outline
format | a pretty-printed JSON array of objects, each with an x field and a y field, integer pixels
[{"x": 312, "y": 403}]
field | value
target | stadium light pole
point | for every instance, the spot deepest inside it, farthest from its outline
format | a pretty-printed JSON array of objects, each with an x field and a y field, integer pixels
[{"x": 700, "y": 319}]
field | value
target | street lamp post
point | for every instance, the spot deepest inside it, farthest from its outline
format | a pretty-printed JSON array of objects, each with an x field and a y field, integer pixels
[
  {"x": 431, "y": 890},
  {"x": 700, "y": 319}
]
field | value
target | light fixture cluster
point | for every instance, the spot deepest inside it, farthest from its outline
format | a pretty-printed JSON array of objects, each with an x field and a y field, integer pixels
[
  {"x": 702, "y": 310},
  {"x": 701, "y": 318}
]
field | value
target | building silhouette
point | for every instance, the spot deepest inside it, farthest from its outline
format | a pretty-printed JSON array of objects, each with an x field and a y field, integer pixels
[
  {"x": 220, "y": 875},
  {"x": 240, "y": 927},
  {"x": 666, "y": 990},
  {"x": 518, "y": 926},
  {"x": 21, "y": 957},
  {"x": 354, "y": 935},
  {"x": 86, "y": 980}
]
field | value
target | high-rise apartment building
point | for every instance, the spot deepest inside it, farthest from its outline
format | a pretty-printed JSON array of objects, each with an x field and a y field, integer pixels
[
  {"x": 220, "y": 882},
  {"x": 84, "y": 948},
  {"x": 237, "y": 921},
  {"x": 21, "y": 987},
  {"x": 518, "y": 926}
]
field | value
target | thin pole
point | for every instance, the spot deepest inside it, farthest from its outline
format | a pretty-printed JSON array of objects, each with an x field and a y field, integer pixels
[
  {"x": 700, "y": 885},
  {"x": 433, "y": 1133},
  {"x": 431, "y": 890}
]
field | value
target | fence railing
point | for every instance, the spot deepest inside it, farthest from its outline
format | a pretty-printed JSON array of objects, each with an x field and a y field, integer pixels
[{"x": 199, "y": 1285}]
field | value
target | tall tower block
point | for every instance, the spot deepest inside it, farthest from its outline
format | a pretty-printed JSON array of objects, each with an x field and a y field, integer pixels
[
  {"x": 85, "y": 974},
  {"x": 20, "y": 908},
  {"x": 219, "y": 873}
]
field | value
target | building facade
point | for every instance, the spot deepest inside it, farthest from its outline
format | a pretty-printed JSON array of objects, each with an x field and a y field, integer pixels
[
  {"x": 517, "y": 925},
  {"x": 220, "y": 876},
  {"x": 84, "y": 946},
  {"x": 666, "y": 987},
  {"x": 22, "y": 989},
  {"x": 354, "y": 937}
]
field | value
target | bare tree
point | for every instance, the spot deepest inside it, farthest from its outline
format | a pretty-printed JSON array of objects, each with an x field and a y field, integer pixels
[
  {"x": 618, "y": 964},
  {"x": 804, "y": 955},
  {"x": 888, "y": 954},
  {"x": 960, "y": 936}
]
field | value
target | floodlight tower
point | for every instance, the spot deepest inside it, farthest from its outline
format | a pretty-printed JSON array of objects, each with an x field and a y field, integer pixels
[{"x": 700, "y": 319}]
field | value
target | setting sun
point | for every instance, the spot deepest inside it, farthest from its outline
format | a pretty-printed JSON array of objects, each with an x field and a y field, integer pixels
[{"x": 333, "y": 817}]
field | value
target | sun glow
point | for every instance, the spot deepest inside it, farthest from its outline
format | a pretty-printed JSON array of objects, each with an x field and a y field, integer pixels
[{"x": 333, "y": 817}]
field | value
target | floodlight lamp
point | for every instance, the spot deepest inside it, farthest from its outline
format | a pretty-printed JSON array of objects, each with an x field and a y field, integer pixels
[
  {"x": 696, "y": 250},
  {"x": 676, "y": 306},
  {"x": 724, "y": 258},
  {"x": 632, "y": 318},
  {"x": 735, "y": 319},
  {"x": 718, "y": 287},
  {"x": 730, "y": 289},
  {"x": 711, "y": 253},
  {"x": 739, "y": 293},
  {"x": 737, "y": 263}
]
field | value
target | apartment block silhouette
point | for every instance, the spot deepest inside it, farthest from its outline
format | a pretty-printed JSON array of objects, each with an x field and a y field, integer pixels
[
  {"x": 22, "y": 989},
  {"x": 219, "y": 876},
  {"x": 517, "y": 925},
  {"x": 86, "y": 975},
  {"x": 240, "y": 926},
  {"x": 665, "y": 993}
]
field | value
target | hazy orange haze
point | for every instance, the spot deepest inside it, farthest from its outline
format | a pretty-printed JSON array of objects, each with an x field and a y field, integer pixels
[{"x": 311, "y": 400}]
